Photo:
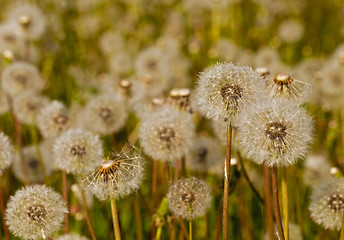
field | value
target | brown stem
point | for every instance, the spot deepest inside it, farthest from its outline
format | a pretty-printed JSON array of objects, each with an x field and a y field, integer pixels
[
  {"x": 2, "y": 205},
  {"x": 269, "y": 218},
  {"x": 176, "y": 170},
  {"x": 183, "y": 170},
  {"x": 154, "y": 183},
  {"x": 183, "y": 229},
  {"x": 218, "y": 222},
  {"x": 65, "y": 198},
  {"x": 138, "y": 218},
  {"x": 276, "y": 203},
  {"x": 88, "y": 219},
  {"x": 226, "y": 184}
]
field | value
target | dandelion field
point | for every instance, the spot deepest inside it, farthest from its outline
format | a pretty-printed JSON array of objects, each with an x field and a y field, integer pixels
[{"x": 171, "y": 119}]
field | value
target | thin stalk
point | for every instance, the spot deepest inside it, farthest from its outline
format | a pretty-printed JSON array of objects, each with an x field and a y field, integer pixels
[
  {"x": 115, "y": 220},
  {"x": 158, "y": 233},
  {"x": 276, "y": 203},
  {"x": 138, "y": 218},
  {"x": 88, "y": 219},
  {"x": 269, "y": 218},
  {"x": 190, "y": 230},
  {"x": 183, "y": 170},
  {"x": 285, "y": 204},
  {"x": 176, "y": 170},
  {"x": 254, "y": 189},
  {"x": 65, "y": 198},
  {"x": 2, "y": 205},
  {"x": 342, "y": 230},
  {"x": 34, "y": 137},
  {"x": 172, "y": 230},
  {"x": 218, "y": 221},
  {"x": 226, "y": 184},
  {"x": 183, "y": 228},
  {"x": 154, "y": 183}
]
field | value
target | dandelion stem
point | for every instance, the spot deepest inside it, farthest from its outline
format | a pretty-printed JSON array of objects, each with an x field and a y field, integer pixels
[
  {"x": 34, "y": 137},
  {"x": 88, "y": 219},
  {"x": 276, "y": 203},
  {"x": 342, "y": 230},
  {"x": 218, "y": 221},
  {"x": 65, "y": 198},
  {"x": 158, "y": 233},
  {"x": 269, "y": 218},
  {"x": 285, "y": 204},
  {"x": 115, "y": 220},
  {"x": 183, "y": 228},
  {"x": 138, "y": 218},
  {"x": 226, "y": 184},
  {"x": 154, "y": 183},
  {"x": 176, "y": 170},
  {"x": 2, "y": 205},
  {"x": 183, "y": 169},
  {"x": 190, "y": 230}
]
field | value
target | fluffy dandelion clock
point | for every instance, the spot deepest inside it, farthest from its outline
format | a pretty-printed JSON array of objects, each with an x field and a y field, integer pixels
[
  {"x": 327, "y": 204},
  {"x": 30, "y": 19},
  {"x": 119, "y": 175},
  {"x": 53, "y": 120},
  {"x": 27, "y": 105},
  {"x": 189, "y": 198},
  {"x": 35, "y": 212},
  {"x": 274, "y": 131},
  {"x": 105, "y": 114},
  {"x": 19, "y": 77},
  {"x": 166, "y": 134},
  {"x": 10, "y": 37},
  {"x": 6, "y": 152},
  {"x": 71, "y": 236},
  {"x": 225, "y": 89},
  {"x": 77, "y": 151}
]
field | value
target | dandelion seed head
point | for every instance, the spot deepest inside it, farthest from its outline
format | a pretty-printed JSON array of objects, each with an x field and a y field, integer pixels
[
  {"x": 327, "y": 204},
  {"x": 53, "y": 119},
  {"x": 19, "y": 77},
  {"x": 77, "y": 151},
  {"x": 10, "y": 37},
  {"x": 118, "y": 176},
  {"x": 189, "y": 198},
  {"x": 317, "y": 169},
  {"x": 276, "y": 132},
  {"x": 6, "y": 152},
  {"x": 166, "y": 134},
  {"x": 35, "y": 212},
  {"x": 290, "y": 30},
  {"x": 225, "y": 89}
]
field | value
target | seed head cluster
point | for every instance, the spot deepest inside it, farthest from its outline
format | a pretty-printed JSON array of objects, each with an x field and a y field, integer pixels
[{"x": 6, "y": 152}]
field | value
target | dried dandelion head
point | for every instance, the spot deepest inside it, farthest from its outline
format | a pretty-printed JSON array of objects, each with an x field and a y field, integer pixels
[
  {"x": 35, "y": 212},
  {"x": 30, "y": 19},
  {"x": 327, "y": 204},
  {"x": 105, "y": 114},
  {"x": 225, "y": 89},
  {"x": 166, "y": 134},
  {"x": 189, "y": 198},
  {"x": 27, "y": 105},
  {"x": 180, "y": 97},
  {"x": 6, "y": 152},
  {"x": 77, "y": 151},
  {"x": 53, "y": 119},
  {"x": 71, "y": 236},
  {"x": 19, "y": 77},
  {"x": 118, "y": 176},
  {"x": 275, "y": 131}
]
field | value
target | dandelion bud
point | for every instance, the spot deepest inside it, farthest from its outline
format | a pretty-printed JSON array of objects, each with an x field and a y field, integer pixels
[
  {"x": 263, "y": 71},
  {"x": 53, "y": 120},
  {"x": 19, "y": 77},
  {"x": 30, "y": 18},
  {"x": 77, "y": 151},
  {"x": 105, "y": 114},
  {"x": 189, "y": 198},
  {"x": 166, "y": 134},
  {"x": 6, "y": 152},
  {"x": 275, "y": 131},
  {"x": 118, "y": 176},
  {"x": 35, "y": 212},
  {"x": 327, "y": 204},
  {"x": 71, "y": 236},
  {"x": 180, "y": 97},
  {"x": 225, "y": 89},
  {"x": 334, "y": 171}
]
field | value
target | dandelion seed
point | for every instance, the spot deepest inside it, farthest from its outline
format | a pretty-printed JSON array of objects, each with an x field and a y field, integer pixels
[
  {"x": 53, "y": 120},
  {"x": 225, "y": 89},
  {"x": 327, "y": 204},
  {"x": 77, "y": 151},
  {"x": 105, "y": 114},
  {"x": 275, "y": 131},
  {"x": 35, "y": 212},
  {"x": 189, "y": 198},
  {"x": 118, "y": 176},
  {"x": 6, "y": 152},
  {"x": 166, "y": 134},
  {"x": 19, "y": 77}
]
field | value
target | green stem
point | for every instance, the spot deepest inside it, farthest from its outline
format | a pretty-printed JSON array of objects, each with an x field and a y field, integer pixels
[
  {"x": 190, "y": 230},
  {"x": 115, "y": 220},
  {"x": 88, "y": 219},
  {"x": 226, "y": 184},
  {"x": 285, "y": 204},
  {"x": 34, "y": 136},
  {"x": 138, "y": 218},
  {"x": 158, "y": 233},
  {"x": 276, "y": 203},
  {"x": 342, "y": 230},
  {"x": 269, "y": 218}
]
